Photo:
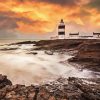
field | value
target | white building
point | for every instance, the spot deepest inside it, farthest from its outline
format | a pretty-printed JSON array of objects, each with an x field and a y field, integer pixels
[
  {"x": 74, "y": 35},
  {"x": 96, "y": 35}
]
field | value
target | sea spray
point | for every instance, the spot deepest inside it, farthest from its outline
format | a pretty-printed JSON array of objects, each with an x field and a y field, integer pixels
[{"x": 23, "y": 68}]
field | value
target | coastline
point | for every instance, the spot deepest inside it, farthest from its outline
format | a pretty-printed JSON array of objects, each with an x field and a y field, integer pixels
[
  {"x": 62, "y": 88},
  {"x": 86, "y": 52}
]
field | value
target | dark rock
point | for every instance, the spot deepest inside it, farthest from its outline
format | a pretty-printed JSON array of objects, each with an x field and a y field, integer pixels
[
  {"x": 88, "y": 55},
  {"x": 60, "y": 89},
  {"x": 8, "y": 49},
  {"x": 34, "y": 53},
  {"x": 4, "y": 81},
  {"x": 49, "y": 52}
]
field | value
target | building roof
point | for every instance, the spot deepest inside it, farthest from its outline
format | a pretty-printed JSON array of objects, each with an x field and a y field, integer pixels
[
  {"x": 62, "y": 21},
  {"x": 96, "y": 33},
  {"x": 74, "y": 34}
]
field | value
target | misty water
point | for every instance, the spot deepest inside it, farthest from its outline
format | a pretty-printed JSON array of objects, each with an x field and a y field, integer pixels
[{"x": 24, "y": 68}]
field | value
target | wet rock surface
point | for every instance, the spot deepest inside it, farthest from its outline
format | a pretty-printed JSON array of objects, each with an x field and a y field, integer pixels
[
  {"x": 34, "y": 53},
  {"x": 8, "y": 49},
  {"x": 4, "y": 81},
  {"x": 57, "y": 44},
  {"x": 86, "y": 52},
  {"x": 88, "y": 55},
  {"x": 60, "y": 89}
]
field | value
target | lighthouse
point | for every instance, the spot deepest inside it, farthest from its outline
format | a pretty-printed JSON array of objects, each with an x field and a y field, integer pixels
[{"x": 61, "y": 30}]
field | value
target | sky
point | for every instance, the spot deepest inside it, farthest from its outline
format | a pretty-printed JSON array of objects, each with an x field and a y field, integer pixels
[{"x": 39, "y": 18}]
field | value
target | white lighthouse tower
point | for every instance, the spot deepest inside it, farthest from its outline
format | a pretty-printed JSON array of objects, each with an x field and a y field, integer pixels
[{"x": 61, "y": 30}]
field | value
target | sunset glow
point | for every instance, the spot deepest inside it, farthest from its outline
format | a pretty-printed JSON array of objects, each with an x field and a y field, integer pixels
[{"x": 42, "y": 16}]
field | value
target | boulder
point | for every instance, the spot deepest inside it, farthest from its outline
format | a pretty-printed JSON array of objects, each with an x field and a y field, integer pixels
[{"x": 4, "y": 81}]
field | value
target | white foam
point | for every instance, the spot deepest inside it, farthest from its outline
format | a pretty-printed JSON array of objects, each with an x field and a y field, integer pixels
[{"x": 27, "y": 69}]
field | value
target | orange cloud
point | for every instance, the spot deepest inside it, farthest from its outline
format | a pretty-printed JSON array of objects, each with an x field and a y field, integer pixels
[{"x": 41, "y": 16}]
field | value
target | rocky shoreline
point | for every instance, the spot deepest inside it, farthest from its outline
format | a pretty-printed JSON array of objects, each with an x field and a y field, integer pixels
[
  {"x": 60, "y": 89},
  {"x": 86, "y": 53}
]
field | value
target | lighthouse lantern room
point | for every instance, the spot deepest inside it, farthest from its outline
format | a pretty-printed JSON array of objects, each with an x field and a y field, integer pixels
[{"x": 61, "y": 30}]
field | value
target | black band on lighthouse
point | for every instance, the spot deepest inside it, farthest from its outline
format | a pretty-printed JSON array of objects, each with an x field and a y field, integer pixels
[{"x": 61, "y": 28}]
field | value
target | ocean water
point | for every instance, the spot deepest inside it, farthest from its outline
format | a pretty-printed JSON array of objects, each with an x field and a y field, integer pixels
[{"x": 24, "y": 68}]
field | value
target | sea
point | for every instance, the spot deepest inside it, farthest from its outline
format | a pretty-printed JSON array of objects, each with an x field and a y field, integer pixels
[{"x": 21, "y": 66}]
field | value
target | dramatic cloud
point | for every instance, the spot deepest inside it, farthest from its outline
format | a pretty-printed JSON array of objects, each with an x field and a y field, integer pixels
[
  {"x": 94, "y": 4},
  {"x": 59, "y": 2},
  {"x": 62, "y": 2},
  {"x": 40, "y": 17}
]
